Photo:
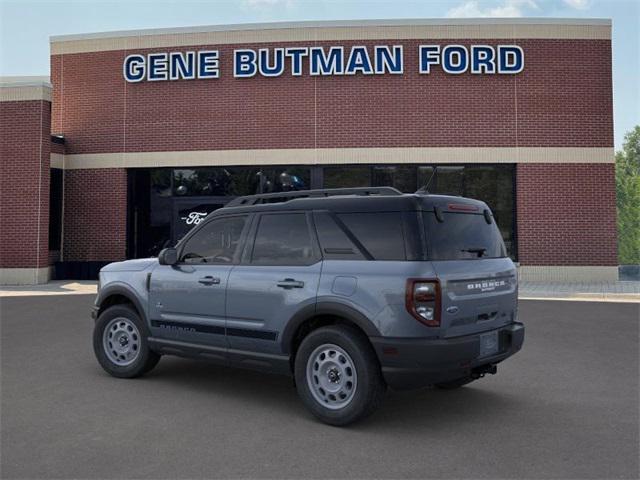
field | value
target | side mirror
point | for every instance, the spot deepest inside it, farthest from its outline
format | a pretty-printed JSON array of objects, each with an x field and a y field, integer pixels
[{"x": 168, "y": 256}]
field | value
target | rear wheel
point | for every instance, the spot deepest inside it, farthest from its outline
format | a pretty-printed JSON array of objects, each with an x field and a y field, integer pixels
[
  {"x": 120, "y": 343},
  {"x": 338, "y": 376}
]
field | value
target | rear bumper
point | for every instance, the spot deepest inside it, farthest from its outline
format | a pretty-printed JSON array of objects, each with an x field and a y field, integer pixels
[{"x": 415, "y": 363}]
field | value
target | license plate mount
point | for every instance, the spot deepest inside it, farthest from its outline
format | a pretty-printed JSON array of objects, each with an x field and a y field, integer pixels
[{"x": 489, "y": 344}]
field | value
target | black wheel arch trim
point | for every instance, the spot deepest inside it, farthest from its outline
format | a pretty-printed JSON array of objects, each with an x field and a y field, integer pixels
[
  {"x": 325, "y": 308},
  {"x": 124, "y": 290}
]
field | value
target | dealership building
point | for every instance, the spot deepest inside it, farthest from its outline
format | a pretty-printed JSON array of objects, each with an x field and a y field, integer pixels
[{"x": 137, "y": 136}]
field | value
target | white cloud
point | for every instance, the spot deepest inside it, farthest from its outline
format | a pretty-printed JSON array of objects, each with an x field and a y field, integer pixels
[
  {"x": 507, "y": 8},
  {"x": 578, "y": 4}
]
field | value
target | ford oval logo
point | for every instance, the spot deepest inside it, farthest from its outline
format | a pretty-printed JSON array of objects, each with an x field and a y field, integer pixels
[{"x": 452, "y": 309}]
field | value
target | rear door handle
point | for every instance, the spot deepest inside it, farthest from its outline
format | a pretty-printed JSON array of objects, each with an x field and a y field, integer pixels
[
  {"x": 209, "y": 280},
  {"x": 290, "y": 283}
]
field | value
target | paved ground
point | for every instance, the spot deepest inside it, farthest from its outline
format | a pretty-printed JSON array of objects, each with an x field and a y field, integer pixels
[
  {"x": 626, "y": 291},
  {"x": 565, "y": 407}
]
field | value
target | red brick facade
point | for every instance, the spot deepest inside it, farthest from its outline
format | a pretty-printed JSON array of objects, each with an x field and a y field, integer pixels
[
  {"x": 562, "y": 98},
  {"x": 95, "y": 214},
  {"x": 566, "y": 214},
  {"x": 24, "y": 183}
]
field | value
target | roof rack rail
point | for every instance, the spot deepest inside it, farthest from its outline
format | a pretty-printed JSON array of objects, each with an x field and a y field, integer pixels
[{"x": 279, "y": 197}]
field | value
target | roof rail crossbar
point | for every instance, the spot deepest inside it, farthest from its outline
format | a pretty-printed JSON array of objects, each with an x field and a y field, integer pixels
[{"x": 279, "y": 197}]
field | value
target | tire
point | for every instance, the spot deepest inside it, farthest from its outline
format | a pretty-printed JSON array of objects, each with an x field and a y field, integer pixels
[
  {"x": 348, "y": 359},
  {"x": 453, "y": 384},
  {"x": 123, "y": 351}
]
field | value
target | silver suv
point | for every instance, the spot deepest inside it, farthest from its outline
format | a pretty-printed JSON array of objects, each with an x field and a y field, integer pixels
[{"x": 347, "y": 290}]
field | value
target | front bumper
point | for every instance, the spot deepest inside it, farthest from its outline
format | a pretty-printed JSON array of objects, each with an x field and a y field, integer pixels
[{"x": 415, "y": 363}]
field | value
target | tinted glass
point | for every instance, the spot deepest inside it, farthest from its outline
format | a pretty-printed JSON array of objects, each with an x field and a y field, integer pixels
[
  {"x": 347, "y": 177},
  {"x": 334, "y": 241},
  {"x": 55, "y": 209},
  {"x": 234, "y": 181},
  {"x": 450, "y": 180},
  {"x": 381, "y": 234},
  {"x": 462, "y": 236},
  {"x": 493, "y": 184},
  {"x": 215, "y": 242},
  {"x": 283, "y": 240},
  {"x": 402, "y": 177}
]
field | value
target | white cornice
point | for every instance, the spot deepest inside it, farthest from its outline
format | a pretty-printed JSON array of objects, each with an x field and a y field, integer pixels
[
  {"x": 337, "y": 156},
  {"x": 484, "y": 28},
  {"x": 17, "y": 89},
  {"x": 334, "y": 23}
]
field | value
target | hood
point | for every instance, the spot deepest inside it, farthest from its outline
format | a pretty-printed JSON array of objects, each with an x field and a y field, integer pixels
[{"x": 130, "y": 265}]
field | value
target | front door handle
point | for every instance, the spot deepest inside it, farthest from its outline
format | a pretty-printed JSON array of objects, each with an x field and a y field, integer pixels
[
  {"x": 290, "y": 283},
  {"x": 209, "y": 280}
]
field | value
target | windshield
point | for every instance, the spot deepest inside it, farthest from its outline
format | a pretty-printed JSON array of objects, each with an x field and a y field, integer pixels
[{"x": 462, "y": 236}]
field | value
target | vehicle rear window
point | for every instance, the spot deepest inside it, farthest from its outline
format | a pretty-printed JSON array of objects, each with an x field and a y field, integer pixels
[
  {"x": 462, "y": 236},
  {"x": 380, "y": 234}
]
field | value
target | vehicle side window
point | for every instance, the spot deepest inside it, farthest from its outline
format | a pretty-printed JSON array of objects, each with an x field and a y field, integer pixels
[
  {"x": 334, "y": 242},
  {"x": 380, "y": 233},
  {"x": 283, "y": 239},
  {"x": 216, "y": 242}
]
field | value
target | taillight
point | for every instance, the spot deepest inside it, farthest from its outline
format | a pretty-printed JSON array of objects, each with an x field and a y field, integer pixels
[{"x": 423, "y": 301}]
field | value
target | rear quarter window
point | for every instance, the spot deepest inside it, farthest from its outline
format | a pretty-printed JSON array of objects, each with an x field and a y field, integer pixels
[
  {"x": 381, "y": 234},
  {"x": 462, "y": 236}
]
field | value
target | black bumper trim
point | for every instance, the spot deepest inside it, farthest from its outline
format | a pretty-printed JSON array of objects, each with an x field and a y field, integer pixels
[{"x": 415, "y": 363}]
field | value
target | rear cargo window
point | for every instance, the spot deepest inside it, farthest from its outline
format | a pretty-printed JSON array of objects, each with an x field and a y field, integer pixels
[
  {"x": 462, "y": 236},
  {"x": 380, "y": 233}
]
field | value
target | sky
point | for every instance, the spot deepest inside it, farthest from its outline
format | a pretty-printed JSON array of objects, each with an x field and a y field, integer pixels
[{"x": 25, "y": 26}]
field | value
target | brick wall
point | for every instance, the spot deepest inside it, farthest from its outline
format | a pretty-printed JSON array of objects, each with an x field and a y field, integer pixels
[
  {"x": 24, "y": 183},
  {"x": 566, "y": 214},
  {"x": 57, "y": 148},
  {"x": 562, "y": 98},
  {"x": 95, "y": 214}
]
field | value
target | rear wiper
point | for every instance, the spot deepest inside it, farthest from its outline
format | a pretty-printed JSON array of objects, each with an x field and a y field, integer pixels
[{"x": 479, "y": 251}]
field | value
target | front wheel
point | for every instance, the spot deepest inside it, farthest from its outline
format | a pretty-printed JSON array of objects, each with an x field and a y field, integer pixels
[
  {"x": 338, "y": 376},
  {"x": 120, "y": 343}
]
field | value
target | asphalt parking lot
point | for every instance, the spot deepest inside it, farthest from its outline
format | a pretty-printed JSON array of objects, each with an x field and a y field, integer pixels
[{"x": 565, "y": 407}]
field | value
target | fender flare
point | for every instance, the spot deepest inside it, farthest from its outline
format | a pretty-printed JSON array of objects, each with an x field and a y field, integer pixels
[
  {"x": 124, "y": 290},
  {"x": 326, "y": 308}
]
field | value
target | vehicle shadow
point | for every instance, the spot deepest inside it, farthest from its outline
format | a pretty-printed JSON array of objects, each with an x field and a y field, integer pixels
[{"x": 401, "y": 410}]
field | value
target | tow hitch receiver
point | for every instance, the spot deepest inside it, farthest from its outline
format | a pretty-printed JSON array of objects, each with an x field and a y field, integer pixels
[{"x": 483, "y": 370}]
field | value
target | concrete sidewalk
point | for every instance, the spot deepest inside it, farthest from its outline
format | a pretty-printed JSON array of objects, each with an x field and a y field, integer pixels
[
  {"x": 589, "y": 292},
  {"x": 55, "y": 287},
  {"x": 581, "y": 291}
]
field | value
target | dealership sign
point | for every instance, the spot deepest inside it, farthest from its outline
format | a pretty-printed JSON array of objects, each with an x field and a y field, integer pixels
[{"x": 324, "y": 61}]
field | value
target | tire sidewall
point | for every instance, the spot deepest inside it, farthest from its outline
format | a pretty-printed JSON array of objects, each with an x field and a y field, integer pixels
[
  {"x": 144, "y": 356},
  {"x": 365, "y": 364}
]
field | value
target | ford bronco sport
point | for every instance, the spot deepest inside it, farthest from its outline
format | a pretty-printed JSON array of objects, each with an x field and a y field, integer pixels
[{"x": 347, "y": 290}]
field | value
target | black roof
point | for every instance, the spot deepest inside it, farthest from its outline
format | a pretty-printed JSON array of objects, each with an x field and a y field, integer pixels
[{"x": 353, "y": 200}]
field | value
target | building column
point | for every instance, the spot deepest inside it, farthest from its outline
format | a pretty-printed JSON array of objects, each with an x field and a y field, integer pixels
[
  {"x": 566, "y": 221},
  {"x": 25, "y": 123}
]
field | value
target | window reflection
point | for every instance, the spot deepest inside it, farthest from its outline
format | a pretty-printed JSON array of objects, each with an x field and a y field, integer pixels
[
  {"x": 236, "y": 181},
  {"x": 161, "y": 195}
]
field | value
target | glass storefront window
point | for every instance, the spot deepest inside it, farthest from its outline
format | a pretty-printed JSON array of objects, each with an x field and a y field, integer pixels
[
  {"x": 347, "y": 177},
  {"x": 237, "y": 181},
  {"x": 426, "y": 179},
  {"x": 450, "y": 180},
  {"x": 402, "y": 177},
  {"x": 166, "y": 200}
]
